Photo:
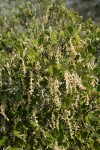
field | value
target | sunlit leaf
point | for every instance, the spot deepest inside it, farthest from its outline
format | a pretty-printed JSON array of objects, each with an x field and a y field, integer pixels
[{"x": 51, "y": 69}]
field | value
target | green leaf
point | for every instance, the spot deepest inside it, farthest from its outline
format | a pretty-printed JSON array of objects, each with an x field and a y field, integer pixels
[
  {"x": 70, "y": 29},
  {"x": 4, "y": 55},
  {"x": 49, "y": 136},
  {"x": 91, "y": 49},
  {"x": 51, "y": 69},
  {"x": 77, "y": 41},
  {"x": 62, "y": 33},
  {"x": 87, "y": 119},
  {"x": 31, "y": 56},
  {"x": 56, "y": 132},
  {"x": 76, "y": 29},
  {"x": 92, "y": 117},
  {"x": 33, "y": 124},
  {"x": 61, "y": 138},
  {"x": 98, "y": 88},
  {"x": 77, "y": 57},
  {"x": 97, "y": 70},
  {"x": 67, "y": 101},
  {"x": 79, "y": 66},
  {"x": 67, "y": 34},
  {"x": 78, "y": 135},
  {"x": 80, "y": 18},
  {"x": 91, "y": 143},
  {"x": 59, "y": 66},
  {"x": 31, "y": 53},
  {"x": 53, "y": 37},
  {"x": 17, "y": 134},
  {"x": 96, "y": 145},
  {"x": 89, "y": 21},
  {"x": 11, "y": 148},
  {"x": 3, "y": 140},
  {"x": 47, "y": 33},
  {"x": 41, "y": 40},
  {"x": 64, "y": 67},
  {"x": 85, "y": 134}
]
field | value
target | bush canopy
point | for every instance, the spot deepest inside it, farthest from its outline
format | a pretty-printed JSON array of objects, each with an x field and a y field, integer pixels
[{"x": 49, "y": 79}]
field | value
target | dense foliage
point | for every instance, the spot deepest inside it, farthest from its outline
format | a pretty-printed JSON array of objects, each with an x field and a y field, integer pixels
[{"x": 49, "y": 79}]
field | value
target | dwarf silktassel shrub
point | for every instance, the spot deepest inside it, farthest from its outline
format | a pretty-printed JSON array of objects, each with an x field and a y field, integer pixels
[{"x": 49, "y": 79}]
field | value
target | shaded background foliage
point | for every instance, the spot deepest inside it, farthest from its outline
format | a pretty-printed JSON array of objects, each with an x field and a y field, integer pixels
[{"x": 86, "y": 8}]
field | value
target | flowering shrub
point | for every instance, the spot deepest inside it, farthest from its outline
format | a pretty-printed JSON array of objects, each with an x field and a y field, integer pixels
[{"x": 49, "y": 80}]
